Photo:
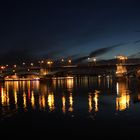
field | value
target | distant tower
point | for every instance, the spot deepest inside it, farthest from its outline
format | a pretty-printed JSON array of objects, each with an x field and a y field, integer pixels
[{"x": 121, "y": 70}]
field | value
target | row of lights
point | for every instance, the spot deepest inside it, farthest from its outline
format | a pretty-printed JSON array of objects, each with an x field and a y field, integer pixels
[
  {"x": 40, "y": 62},
  {"x": 50, "y": 62},
  {"x": 94, "y": 59},
  {"x": 120, "y": 57}
]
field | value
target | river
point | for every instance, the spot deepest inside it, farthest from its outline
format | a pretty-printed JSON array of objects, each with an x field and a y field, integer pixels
[{"x": 71, "y": 104}]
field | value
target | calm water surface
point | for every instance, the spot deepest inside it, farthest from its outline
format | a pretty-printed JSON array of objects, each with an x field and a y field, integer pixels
[{"x": 77, "y": 103}]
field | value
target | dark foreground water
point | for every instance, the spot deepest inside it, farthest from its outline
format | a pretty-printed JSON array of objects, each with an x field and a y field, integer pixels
[{"x": 82, "y": 106}]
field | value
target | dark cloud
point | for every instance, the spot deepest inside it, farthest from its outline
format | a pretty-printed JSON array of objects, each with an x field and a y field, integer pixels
[
  {"x": 98, "y": 52},
  {"x": 102, "y": 51},
  {"x": 78, "y": 60},
  {"x": 137, "y": 41},
  {"x": 73, "y": 57},
  {"x": 136, "y": 55}
]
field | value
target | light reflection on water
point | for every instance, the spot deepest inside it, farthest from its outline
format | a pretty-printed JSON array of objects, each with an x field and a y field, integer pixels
[
  {"x": 66, "y": 95},
  {"x": 93, "y": 101},
  {"x": 63, "y": 104},
  {"x": 123, "y": 98}
]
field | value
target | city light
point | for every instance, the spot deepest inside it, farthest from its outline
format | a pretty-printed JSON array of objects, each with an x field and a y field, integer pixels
[
  {"x": 94, "y": 60},
  {"x": 121, "y": 58},
  {"x": 63, "y": 104},
  {"x": 2, "y": 67},
  {"x": 15, "y": 66},
  {"x": 69, "y": 61},
  {"x": 49, "y": 62}
]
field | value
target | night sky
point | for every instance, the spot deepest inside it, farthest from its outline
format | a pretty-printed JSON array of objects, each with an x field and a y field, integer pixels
[{"x": 56, "y": 29}]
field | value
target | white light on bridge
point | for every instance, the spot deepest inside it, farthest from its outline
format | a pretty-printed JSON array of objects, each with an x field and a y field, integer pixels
[
  {"x": 15, "y": 66},
  {"x": 69, "y": 61}
]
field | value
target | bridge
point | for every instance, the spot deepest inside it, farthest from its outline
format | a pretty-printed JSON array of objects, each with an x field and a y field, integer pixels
[{"x": 76, "y": 70}]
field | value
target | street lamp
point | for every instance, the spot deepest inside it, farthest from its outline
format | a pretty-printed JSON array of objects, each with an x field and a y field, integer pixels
[
  {"x": 23, "y": 63},
  {"x": 88, "y": 61},
  {"x": 2, "y": 68},
  {"x": 94, "y": 60},
  {"x": 49, "y": 63},
  {"x": 62, "y": 60},
  {"x": 14, "y": 70},
  {"x": 32, "y": 64},
  {"x": 15, "y": 66},
  {"x": 69, "y": 61}
]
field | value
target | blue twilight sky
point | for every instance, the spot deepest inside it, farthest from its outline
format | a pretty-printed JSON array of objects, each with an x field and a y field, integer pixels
[{"x": 53, "y": 28}]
